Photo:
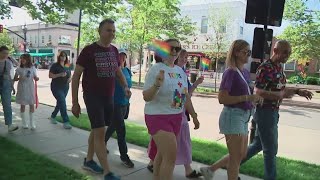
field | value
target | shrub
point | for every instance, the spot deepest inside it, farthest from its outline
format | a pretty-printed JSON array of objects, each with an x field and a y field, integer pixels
[{"x": 313, "y": 80}]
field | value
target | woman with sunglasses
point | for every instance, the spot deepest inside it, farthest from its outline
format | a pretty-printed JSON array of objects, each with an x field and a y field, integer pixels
[
  {"x": 184, "y": 150},
  {"x": 166, "y": 95},
  {"x": 236, "y": 96}
]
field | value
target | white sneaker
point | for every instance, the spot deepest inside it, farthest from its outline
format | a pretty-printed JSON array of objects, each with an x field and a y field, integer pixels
[
  {"x": 12, "y": 127},
  {"x": 207, "y": 173}
]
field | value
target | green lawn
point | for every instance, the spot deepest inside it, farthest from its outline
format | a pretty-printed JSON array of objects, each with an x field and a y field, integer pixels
[
  {"x": 19, "y": 163},
  {"x": 208, "y": 152}
]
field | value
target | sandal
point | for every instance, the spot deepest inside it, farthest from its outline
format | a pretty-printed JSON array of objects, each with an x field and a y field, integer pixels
[
  {"x": 194, "y": 174},
  {"x": 150, "y": 168}
]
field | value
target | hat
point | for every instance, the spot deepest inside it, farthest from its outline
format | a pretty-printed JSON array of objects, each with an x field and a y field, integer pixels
[{"x": 122, "y": 51}]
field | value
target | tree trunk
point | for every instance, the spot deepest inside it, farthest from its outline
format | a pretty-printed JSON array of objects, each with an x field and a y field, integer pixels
[
  {"x": 216, "y": 73},
  {"x": 140, "y": 63}
]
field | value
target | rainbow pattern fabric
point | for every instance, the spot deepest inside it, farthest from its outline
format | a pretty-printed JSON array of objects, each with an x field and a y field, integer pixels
[
  {"x": 205, "y": 62},
  {"x": 161, "y": 48}
]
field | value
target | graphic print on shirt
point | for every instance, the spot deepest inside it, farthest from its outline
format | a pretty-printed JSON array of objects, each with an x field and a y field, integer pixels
[
  {"x": 106, "y": 63},
  {"x": 179, "y": 93}
]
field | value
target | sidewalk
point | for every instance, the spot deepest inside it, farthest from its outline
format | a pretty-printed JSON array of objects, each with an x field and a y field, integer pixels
[{"x": 69, "y": 147}]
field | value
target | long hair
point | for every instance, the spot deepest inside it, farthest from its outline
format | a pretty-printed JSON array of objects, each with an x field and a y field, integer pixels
[
  {"x": 28, "y": 63},
  {"x": 62, "y": 53},
  {"x": 235, "y": 47},
  {"x": 182, "y": 53}
]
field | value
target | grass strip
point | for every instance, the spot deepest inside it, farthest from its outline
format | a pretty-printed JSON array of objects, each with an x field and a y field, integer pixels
[
  {"x": 19, "y": 163},
  {"x": 208, "y": 152}
]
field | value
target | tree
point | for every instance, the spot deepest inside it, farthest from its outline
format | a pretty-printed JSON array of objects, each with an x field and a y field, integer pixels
[
  {"x": 5, "y": 40},
  {"x": 54, "y": 11},
  {"x": 303, "y": 32},
  {"x": 219, "y": 19},
  {"x": 147, "y": 19}
]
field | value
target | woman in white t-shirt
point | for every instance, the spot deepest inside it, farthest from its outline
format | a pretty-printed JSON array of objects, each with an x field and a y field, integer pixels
[{"x": 166, "y": 93}]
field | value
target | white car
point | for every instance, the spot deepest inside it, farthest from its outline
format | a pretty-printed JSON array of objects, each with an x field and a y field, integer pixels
[{"x": 135, "y": 69}]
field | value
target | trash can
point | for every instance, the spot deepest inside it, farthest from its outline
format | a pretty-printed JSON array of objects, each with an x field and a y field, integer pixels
[{"x": 193, "y": 77}]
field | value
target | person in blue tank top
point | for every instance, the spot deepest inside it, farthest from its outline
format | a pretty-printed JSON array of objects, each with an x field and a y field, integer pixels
[{"x": 121, "y": 110}]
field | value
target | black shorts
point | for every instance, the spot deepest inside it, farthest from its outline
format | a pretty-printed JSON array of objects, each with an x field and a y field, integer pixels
[{"x": 99, "y": 109}]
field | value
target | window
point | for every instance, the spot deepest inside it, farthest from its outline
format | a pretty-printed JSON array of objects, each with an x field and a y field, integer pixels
[
  {"x": 204, "y": 24},
  {"x": 30, "y": 39},
  {"x": 222, "y": 29},
  {"x": 35, "y": 39},
  {"x": 290, "y": 66},
  {"x": 49, "y": 39},
  {"x": 42, "y": 39},
  {"x": 241, "y": 30}
]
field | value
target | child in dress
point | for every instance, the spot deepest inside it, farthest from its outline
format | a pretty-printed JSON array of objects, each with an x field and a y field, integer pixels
[{"x": 25, "y": 75}]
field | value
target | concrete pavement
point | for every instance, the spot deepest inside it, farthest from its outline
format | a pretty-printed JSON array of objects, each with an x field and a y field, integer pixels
[
  {"x": 69, "y": 147},
  {"x": 298, "y": 126}
]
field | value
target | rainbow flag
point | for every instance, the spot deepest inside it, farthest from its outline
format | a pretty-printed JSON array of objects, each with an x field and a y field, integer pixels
[
  {"x": 161, "y": 48},
  {"x": 205, "y": 62}
]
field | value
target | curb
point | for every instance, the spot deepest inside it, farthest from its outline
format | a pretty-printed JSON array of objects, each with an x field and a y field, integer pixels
[{"x": 286, "y": 102}]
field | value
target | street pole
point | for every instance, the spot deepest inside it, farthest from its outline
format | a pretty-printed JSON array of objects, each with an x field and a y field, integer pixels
[
  {"x": 79, "y": 32},
  {"x": 24, "y": 29}
]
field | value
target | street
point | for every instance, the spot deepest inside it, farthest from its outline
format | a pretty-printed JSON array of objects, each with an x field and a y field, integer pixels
[{"x": 299, "y": 129}]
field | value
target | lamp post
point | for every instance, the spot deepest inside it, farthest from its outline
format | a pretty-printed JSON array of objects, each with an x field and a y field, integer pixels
[{"x": 24, "y": 29}]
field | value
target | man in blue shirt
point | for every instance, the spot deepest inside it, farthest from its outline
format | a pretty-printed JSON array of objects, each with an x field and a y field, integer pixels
[{"x": 121, "y": 108}]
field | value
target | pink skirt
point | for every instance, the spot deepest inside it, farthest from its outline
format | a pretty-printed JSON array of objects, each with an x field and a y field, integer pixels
[{"x": 184, "y": 153}]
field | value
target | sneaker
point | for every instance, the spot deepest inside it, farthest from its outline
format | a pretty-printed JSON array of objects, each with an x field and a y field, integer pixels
[
  {"x": 92, "y": 166},
  {"x": 67, "y": 125},
  {"x": 111, "y": 176},
  {"x": 53, "y": 120},
  {"x": 207, "y": 173},
  {"x": 12, "y": 127},
  {"x": 127, "y": 162}
]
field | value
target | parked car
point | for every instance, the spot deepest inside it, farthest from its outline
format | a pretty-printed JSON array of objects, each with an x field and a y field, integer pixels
[{"x": 135, "y": 68}]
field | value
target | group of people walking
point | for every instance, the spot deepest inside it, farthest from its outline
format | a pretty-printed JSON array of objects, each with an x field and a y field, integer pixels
[{"x": 106, "y": 83}]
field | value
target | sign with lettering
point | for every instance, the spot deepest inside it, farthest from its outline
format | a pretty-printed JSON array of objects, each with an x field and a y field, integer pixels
[{"x": 198, "y": 47}]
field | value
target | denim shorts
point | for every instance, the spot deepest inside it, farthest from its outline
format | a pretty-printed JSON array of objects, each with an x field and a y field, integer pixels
[{"x": 234, "y": 121}]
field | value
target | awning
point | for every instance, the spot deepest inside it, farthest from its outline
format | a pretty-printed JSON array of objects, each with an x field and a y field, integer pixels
[{"x": 36, "y": 54}]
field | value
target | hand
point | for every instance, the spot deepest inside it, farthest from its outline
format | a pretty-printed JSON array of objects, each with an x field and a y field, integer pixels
[
  {"x": 160, "y": 78},
  {"x": 255, "y": 98},
  {"x": 13, "y": 91},
  {"x": 76, "y": 110},
  {"x": 289, "y": 92},
  {"x": 196, "y": 123},
  {"x": 64, "y": 74},
  {"x": 305, "y": 93},
  {"x": 127, "y": 92},
  {"x": 199, "y": 80},
  {"x": 36, "y": 78},
  {"x": 69, "y": 80}
]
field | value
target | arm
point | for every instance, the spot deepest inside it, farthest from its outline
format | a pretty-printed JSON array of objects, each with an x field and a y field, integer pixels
[
  {"x": 225, "y": 98},
  {"x": 149, "y": 94},
  {"x": 75, "y": 84},
  {"x": 270, "y": 95},
  {"x": 195, "y": 85},
  {"x": 53, "y": 76},
  {"x": 189, "y": 107},
  {"x": 122, "y": 78}
]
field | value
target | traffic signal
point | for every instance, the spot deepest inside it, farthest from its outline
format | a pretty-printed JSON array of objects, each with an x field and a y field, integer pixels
[
  {"x": 15, "y": 3},
  {"x": 1, "y": 28}
]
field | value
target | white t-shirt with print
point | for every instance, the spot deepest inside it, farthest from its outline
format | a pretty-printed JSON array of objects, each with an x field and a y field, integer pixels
[{"x": 172, "y": 94}]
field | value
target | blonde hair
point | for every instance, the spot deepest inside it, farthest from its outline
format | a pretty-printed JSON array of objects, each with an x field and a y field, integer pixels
[{"x": 235, "y": 47}]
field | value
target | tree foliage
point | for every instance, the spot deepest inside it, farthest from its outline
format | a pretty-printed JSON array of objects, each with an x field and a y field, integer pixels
[
  {"x": 54, "y": 11},
  {"x": 5, "y": 40},
  {"x": 304, "y": 30}
]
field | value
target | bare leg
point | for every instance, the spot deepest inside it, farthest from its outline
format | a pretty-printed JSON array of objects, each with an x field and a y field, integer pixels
[
  {"x": 235, "y": 147},
  {"x": 167, "y": 149}
]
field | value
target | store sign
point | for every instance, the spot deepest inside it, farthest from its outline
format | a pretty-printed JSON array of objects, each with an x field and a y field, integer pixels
[
  {"x": 65, "y": 39},
  {"x": 198, "y": 47}
]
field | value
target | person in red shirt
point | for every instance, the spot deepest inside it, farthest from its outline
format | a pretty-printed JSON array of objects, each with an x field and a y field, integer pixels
[{"x": 100, "y": 65}]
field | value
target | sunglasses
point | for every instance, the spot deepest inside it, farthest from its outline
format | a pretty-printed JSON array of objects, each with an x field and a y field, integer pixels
[
  {"x": 177, "y": 49},
  {"x": 248, "y": 53},
  {"x": 110, "y": 30}
]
